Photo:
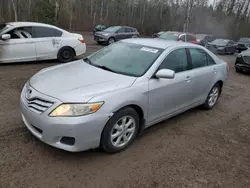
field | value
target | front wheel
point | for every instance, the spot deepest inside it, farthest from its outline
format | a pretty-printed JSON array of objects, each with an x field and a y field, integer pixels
[
  {"x": 120, "y": 131},
  {"x": 111, "y": 40},
  {"x": 212, "y": 97}
]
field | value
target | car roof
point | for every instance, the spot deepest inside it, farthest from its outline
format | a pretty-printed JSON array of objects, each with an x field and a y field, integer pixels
[
  {"x": 25, "y": 24},
  {"x": 157, "y": 43},
  {"x": 179, "y": 33}
]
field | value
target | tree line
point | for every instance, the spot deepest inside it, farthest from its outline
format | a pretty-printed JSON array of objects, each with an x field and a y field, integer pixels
[{"x": 224, "y": 18}]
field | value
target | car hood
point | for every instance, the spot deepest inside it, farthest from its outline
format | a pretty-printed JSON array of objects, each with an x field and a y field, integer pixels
[
  {"x": 78, "y": 81},
  {"x": 103, "y": 33},
  {"x": 245, "y": 53}
]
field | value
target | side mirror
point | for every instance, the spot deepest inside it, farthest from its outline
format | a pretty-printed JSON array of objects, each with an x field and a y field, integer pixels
[
  {"x": 5, "y": 37},
  {"x": 165, "y": 73}
]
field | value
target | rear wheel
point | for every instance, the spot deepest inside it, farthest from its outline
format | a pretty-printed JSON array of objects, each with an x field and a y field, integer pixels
[
  {"x": 120, "y": 131},
  {"x": 212, "y": 97},
  {"x": 66, "y": 54}
]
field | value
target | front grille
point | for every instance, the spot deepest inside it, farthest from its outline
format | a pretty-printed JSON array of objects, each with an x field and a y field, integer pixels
[{"x": 38, "y": 105}]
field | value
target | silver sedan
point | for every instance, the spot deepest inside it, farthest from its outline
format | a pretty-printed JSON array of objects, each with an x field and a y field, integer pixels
[{"x": 110, "y": 97}]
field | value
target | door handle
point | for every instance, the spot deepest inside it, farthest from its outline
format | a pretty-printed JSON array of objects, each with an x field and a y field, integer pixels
[
  {"x": 214, "y": 70},
  {"x": 188, "y": 79}
]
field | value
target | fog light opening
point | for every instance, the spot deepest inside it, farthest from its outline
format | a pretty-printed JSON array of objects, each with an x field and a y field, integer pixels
[{"x": 68, "y": 140}]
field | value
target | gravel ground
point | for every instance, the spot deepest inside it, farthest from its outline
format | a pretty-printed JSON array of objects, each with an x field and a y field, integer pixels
[{"x": 195, "y": 149}]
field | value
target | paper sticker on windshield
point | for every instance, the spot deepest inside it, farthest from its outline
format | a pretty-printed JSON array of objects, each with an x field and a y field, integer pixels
[{"x": 152, "y": 50}]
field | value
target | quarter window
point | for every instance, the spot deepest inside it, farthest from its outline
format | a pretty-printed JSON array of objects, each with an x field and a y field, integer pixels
[
  {"x": 41, "y": 32},
  {"x": 176, "y": 61}
]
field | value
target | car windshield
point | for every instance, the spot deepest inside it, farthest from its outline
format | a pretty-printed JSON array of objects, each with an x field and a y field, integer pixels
[
  {"x": 220, "y": 41},
  {"x": 200, "y": 36},
  {"x": 169, "y": 36},
  {"x": 125, "y": 58},
  {"x": 244, "y": 40},
  {"x": 112, "y": 29}
]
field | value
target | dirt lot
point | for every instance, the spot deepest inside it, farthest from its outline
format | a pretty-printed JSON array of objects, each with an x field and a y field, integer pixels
[{"x": 195, "y": 149}]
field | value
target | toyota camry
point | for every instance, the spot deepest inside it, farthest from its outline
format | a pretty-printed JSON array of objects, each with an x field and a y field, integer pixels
[{"x": 107, "y": 99}]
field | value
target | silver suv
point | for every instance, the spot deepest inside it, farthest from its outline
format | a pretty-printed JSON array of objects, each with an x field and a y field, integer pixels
[{"x": 115, "y": 33}]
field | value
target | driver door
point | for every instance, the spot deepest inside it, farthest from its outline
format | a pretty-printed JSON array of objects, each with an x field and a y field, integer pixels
[
  {"x": 170, "y": 96},
  {"x": 20, "y": 47}
]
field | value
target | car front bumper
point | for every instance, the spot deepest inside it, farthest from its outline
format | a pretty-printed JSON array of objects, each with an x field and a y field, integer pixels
[
  {"x": 72, "y": 134},
  {"x": 99, "y": 38},
  {"x": 242, "y": 63}
]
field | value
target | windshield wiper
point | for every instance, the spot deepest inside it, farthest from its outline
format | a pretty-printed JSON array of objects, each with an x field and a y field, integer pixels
[
  {"x": 88, "y": 61},
  {"x": 99, "y": 66},
  {"x": 104, "y": 68}
]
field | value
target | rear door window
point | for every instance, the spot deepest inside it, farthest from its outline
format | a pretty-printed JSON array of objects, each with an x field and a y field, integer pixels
[
  {"x": 128, "y": 30},
  {"x": 200, "y": 58},
  {"x": 42, "y": 32}
]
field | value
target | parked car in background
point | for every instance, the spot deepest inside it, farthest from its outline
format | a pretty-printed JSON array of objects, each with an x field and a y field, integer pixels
[
  {"x": 99, "y": 28},
  {"x": 30, "y": 41},
  {"x": 115, "y": 33},
  {"x": 111, "y": 96},
  {"x": 158, "y": 34},
  {"x": 179, "y": 36},
  {"x": 243, "y": 44},
  {"x": 204, "y": 39},
  {"x": 242, "y": 62},
  {"x": 222, "y": 46}
]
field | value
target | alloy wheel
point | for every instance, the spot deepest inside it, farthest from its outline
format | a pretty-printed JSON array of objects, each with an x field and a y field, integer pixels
[{"x": 123, "y": 131}]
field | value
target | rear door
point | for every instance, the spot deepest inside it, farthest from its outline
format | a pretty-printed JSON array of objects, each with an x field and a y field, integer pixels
[
  {"x": 20, "y": 47},
  {"x": 231, "y": 47},
  {"x": 48, "y": 42},
  {"x": 121, "y": 34},
  {"x": 204, "y": 68}
]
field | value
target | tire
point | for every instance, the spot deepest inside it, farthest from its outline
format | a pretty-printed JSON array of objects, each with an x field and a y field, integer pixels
[
  {"x": 66, "y": 54},
  {"x": 238, "y": 70},
  {"x": 98, "y": 42},
  {"x": 111, "y": 40},
  {"x": 113, "y": 145},
  {"x": 212, "y": 97}
]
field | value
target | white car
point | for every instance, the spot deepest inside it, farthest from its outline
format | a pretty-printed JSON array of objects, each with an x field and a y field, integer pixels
[{"x": 29, "y": 41}]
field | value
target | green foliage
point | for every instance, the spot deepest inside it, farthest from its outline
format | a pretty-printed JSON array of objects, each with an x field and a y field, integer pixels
[{"x": 45, "y": 11}]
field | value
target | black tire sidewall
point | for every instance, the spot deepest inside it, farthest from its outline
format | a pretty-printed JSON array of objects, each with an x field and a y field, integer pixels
[
  {"x": 105, "y": 143},
  {"x": 60, "y": 55}
]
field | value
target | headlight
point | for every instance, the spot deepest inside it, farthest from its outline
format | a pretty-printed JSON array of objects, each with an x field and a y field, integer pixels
[
  {"x": 71, "y": 110},
  {"x": 105, "y": 34}
]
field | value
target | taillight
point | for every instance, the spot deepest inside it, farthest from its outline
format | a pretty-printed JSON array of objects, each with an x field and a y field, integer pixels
[{"x": 81, "y": 40}]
